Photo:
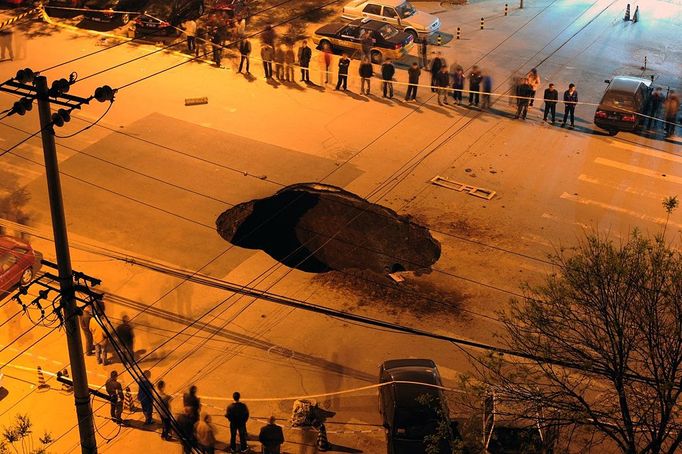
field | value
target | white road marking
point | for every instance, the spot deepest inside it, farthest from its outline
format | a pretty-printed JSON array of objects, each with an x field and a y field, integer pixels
[
  {"x": 555, "y": 218},
  {"x": 648, "y": 152},
  {"x": 639, "y": 170},
  {"x": 621, "y": 187}
]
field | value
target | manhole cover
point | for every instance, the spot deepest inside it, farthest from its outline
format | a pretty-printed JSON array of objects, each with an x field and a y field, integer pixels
[{"x": 319, "y": 228}]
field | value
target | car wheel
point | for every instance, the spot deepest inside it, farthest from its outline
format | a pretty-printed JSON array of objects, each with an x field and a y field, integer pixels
[
  {"x": 125, "y": 18},
  {"x": 415, "y": 36},
  {"x": 376, "y": 57},
  {"x": 613, "y": 132},
  {"x": 26, "y": 276}
]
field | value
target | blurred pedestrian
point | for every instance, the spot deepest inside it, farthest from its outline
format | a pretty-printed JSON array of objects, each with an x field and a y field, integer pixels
[
  {"x": 413, "y": 74},
  {"x": 244, "y": 52},
  {"x": 271, "y": 437},
  {"x": 217, "y": 47},
  {"x": 204, "y": 431},
  {"x": 436, "y": 64},
  {"x": 189, "y": 27},
  {"x": 474, "y": 86},
  {"x": 672, "y": 106},
  {"x": 442, "y": 83},
  {"x": 458, "y": 85},
  {"x": 267, "y": 54},
  {"x": 223, "y": 31},
  {"x": 534, "y": 81},
  {"x": 344, "y": 64},
  {"x": 570, "y": 100},
  {"x": 201, "y": 49},
  {"x": 279, "y": 62},
  {"x": 6, "y": 38},
  {"x": 115, "y": 392},
  {"x": 551, "y": 97},
  {"x": 304, "y": 56},
  {"x": 514, "y": 82},
  {"x": 423, "y": 52},
  {"x": 125, "y": 334},
  {"x": 241, "y": 26},
  {"x": 655, "y": 102},
  {"x": 165, "y": 410},
  {"x": 99, "y": 338},
  {"x": 185, "y": 430},
  {"x": 366, "y": 71},
  {"x": 289, "y": 62},
  {"x": 192, "y": 401},
  {"x": 85, "y": 328},
  {"x": 367, "y": 43},
  {"x": 326, "y": 63},
  {"x": 387, "y": 73},
  {"x": 487, "y": 83},
  {"x": 145, "y": 397},
  {"x": 523, "y": 93},
  {"x": 238, "y": 414},
  {"x": 268, "y": 36}
]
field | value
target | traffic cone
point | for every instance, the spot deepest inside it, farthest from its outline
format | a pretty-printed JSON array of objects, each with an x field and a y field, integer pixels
[
  {"x": 129, "y": 400},
  {"x": 635, "y": 16},
  {"x": 41, "y": 380},
  {"x": 322, "y": 442},
  {"x": 627, "y": 13},
  {"x": 65, "y": 386}
]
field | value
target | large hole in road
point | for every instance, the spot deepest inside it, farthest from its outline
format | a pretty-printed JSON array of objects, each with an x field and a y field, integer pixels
[{"x": 318, "y": 228}]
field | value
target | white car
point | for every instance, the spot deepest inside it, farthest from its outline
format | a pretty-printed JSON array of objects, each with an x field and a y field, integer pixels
[{"x": 399, "y": 13}]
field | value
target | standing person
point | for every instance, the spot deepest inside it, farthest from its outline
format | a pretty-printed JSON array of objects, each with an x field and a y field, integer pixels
[
  {"x": 326, "y": 63},
  {"x": 165, "y": 411},
  {"x": 366, "y": 71},
  {"x": 85, "y": 328},
  {"x": 570, "y": 100},
  {"x": 267, "y": 54},
  {"x": 217, "y": 47},
  {"x": 672, "y": 106},
  {"x": 244, "y": 52},
  {"x": 268, "y": 36},
  {"x": 436, "y": 64},
  {"x": 238, "y": 414},
  {"x": 474, "y": 86},
  {"x": 190, "y": 400},
  {"x": 423, "y": 52},
  {"x": 125, "y": 334},
  {"x": 387, "y": 73},
  {"x": 442, "y": 82},
  {"x": 241, "y": 26},
  {"x": 551, "y": 97},
  {"x": 279, "y": 62},
  {"x": 289, "y": 61},
  {"x": 413, "y": 74},
  {"x": 487, "y": 83},
  {"x": 271, "y": 437},
  {"x": 6, "y": 37},
  {"x": 144, "y": 395},
  {"x": 533, "y": 79},
  {"x": 201, "y": 46},
  {"x": 524, "y": 93},
  {"x": 205, "y": 434},
  {"x": 185, "y": 426},
  {"x": 344, "y": 64},
  {"x": 514, "y": 82},
  {"x": 304, "y": 56},
  {"x": 367, "y": 42},
  {"x": 190, "y": 29},
  {"x": 654, "y": 104},
  {"x": 458, "y": 84},
  {"x": 100, "y": 341},
  {"x": 115, "y": 392}
]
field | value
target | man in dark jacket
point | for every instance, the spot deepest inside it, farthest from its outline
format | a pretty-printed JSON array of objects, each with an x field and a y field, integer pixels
[
  {"x": 551, "y": 97},
  {"x": 366, "y": 73},
  {"x": 304, "y": 56},
  {"x": 115, "y": 392},
  {"x": 442, "y": 82},
  {"x": 185, "y": 426},
  {"x": 436, "y": 65},
  {"x": 191, "y": 400},
  {"x": 244, "y": 51},
  {"x": 570, "y": 100},
  {"x": 237, "y": 413},
  {"x": 125, "y": 334},
  {"x": 475, "y": 78},
  {"x": 524, "y": 93},
  {"x": 413, "y": 78},
  {"x": 144, "y": 395},
  {"x": 217, "y": 46},
  {"x": 654, "y": 104},
  {"x": 271, "y": 437},
  {"x": 387, "y": 73},
  {"x": 344, "y": 63}
]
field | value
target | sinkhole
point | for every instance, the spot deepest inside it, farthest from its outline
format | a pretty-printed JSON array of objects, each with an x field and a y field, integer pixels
[{"x": 318, "y": 228}]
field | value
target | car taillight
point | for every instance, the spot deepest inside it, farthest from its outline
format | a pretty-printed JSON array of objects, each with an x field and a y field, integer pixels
[
  {"x": 628, "y": 118},
  {"x": 165, "y": 24},
  {"x": 600, "y": 114},
  {"x": 398, "y": 46}
]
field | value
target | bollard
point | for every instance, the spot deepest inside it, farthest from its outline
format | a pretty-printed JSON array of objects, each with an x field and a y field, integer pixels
[
  {"x": 439, "y": 40},
  {"x": 481, "y": 23},
  {"x": 66, "y": 387},
  {"x": 635, "y": 16},
  {"x": 322, "y": 442},
  {"x": 458, "y": 32},
  {"x": 643, "y": 68},
  {"x": 41, "y": 380},
  {"x": 506, "y": 9},
  {"x": 129, "y": 400},
  {"x": 627, "y": 13}
]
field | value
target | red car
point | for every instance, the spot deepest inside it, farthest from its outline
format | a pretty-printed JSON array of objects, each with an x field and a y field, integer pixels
[{"x": 18, "y": 263}]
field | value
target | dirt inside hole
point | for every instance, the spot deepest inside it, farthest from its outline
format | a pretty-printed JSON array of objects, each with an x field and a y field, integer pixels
[{"x": 318, "y": 228}]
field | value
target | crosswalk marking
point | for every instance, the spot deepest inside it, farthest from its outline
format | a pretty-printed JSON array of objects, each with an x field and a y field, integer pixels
[
  {"x": 621, "y": 187},
  {"x": 639, "y": 170}
]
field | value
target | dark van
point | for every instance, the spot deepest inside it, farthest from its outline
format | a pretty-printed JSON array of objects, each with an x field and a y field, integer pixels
[{"x": 625, "y": 97}]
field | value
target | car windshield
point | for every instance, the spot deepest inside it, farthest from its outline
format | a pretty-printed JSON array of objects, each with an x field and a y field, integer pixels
[
  {"x": 387, "y": 31},
  {"x": 405, "y": 10},
  {"x": 619, "y": 100}
]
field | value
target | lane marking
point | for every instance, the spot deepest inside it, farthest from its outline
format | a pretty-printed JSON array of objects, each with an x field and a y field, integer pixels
[
  {"x": 621, "y": 187},
  {"x": 639, "y": 170}
]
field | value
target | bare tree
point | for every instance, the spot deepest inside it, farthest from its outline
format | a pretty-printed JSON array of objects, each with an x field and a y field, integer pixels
[{"x": 602, "y": 347}]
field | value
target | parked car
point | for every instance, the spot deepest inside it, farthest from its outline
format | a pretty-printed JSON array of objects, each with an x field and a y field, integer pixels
[
  {"x": 163, "y": 16},
  {"x": 53, "y": 6},
  {"x": 399, "y": 13},
  {"x": 18, "y": 263},
  {"x": 624, "y": 98},
  {"x": 232, "y": 8},
  {"x": 118, "y": 11},
  {"x": 389, "y": 42},
  {"x": 411, "y": 412}
]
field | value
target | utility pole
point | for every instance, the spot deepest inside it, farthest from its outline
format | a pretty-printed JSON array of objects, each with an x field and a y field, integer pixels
[{"x": 34, "y": 86}]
